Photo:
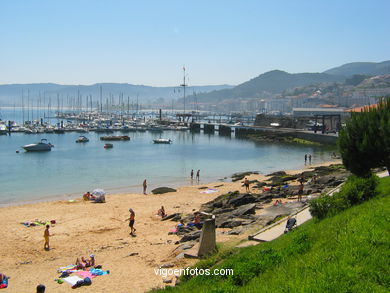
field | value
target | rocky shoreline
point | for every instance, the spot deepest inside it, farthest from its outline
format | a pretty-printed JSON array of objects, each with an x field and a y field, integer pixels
[{"x": 240, "y": 212}]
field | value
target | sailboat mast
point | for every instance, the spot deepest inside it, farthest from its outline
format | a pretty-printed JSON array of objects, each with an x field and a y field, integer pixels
[{"x": 184, "y": 89}]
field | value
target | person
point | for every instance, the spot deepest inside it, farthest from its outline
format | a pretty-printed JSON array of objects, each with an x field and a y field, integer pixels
[
  {"x": 192, "y": 174},
  {"x": 277, "y": 202},
  {"x": 300, "y": 192},
  {"x": 87, "y": 196},
  {"x": 41, "y": 288},
  {"x": 46, "y": 235},
  {"x": 291, "y": 223},
  {"x": 145, "y": 185},
  {"x": 91, "y": 262},
  {"x": 197, "y": 222},
  {"x": 315, "y": 178},
  {"x": 131, "y": 220},
  {"x": 246, "y": 184},
  {"x": 2, "y": 278},
  {"x": 180, "y": 225},
  {"x": 81, "y": 264},
  {"x": 197, "y": 175},
  {"x": 309, "y": 158},
  {"x": 161, "y": 212},
  {"x": 305, "y": 158}
]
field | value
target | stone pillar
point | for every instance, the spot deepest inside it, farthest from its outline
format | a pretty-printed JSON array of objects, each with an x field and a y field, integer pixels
[{"x": 207, "y": 242}]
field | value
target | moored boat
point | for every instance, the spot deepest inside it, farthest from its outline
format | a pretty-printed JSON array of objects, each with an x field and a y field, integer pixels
[
  {"x": 108, "y": 146},
  {"x": 82, "y": 138},
  {"x": 41, "y": 146},
  {"x": 113, "y": 137},
  {"x": 162, "y": 141}
]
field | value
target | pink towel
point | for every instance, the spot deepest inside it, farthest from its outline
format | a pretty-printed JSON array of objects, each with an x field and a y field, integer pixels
[{"x": 85, "y": 274}]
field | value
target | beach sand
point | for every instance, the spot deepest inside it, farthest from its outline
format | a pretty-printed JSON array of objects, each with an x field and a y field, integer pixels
[{"x": 83, "y": 228}]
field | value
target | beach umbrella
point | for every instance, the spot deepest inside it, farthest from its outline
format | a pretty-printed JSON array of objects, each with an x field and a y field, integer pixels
[{"x": 98, "y": 192}]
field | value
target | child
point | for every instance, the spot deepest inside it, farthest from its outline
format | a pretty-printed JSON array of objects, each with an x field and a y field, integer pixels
[
  {"x": 131, "y": 223},
  {"x": 46, "y": 235}
]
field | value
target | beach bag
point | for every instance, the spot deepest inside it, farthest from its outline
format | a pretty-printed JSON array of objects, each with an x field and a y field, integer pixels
[
  {"x": 78, "y": 284},
  {"x": 87, "y": 281}
]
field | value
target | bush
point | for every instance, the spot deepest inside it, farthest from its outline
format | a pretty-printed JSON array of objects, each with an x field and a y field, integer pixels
[{"x": 355, "y": 190}]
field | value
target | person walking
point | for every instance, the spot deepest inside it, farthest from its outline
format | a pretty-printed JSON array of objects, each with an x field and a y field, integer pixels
[
  {"x": 192, "y": 174},
  {"x": 309, "y": 158},
  {"x": 305, "y": 158},
  {"x": 197, "y": 175},
  {"x": 131, "y": 220},
  {"x": 145, "y": 185}
]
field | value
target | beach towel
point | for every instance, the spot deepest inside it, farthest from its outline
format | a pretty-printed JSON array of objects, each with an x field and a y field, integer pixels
[
  {"x": 72, "y": 280},
  {"x": 99, "y": 272},
  {"x": 4, "y": 283},
  {"x": 209, "y": 190},
  {"x": 69, "y": 268},
  {"x": 85, "y": 274}
]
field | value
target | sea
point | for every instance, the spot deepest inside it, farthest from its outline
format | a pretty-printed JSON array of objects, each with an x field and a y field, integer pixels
[{"x": 71, "y": 168}]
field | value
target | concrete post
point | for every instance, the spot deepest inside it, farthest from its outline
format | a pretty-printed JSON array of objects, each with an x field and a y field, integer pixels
[{"x": 207, "y": 242}]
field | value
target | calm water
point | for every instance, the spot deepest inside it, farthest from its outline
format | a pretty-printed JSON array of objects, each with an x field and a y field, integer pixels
[{"x": 72, "y": 168}]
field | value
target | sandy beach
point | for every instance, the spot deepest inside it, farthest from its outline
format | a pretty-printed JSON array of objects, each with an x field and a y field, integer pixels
[{"x": 83, "y": 228}]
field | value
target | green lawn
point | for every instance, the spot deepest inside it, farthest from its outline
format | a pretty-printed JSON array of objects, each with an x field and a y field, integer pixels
[{"x": 349, "y": 252}]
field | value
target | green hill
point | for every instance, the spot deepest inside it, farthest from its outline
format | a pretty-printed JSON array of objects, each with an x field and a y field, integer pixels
[
  {"x": 366, "y": 68},
  {"x": 272, "y": 82},
  {"x": 345, "y": 253}
]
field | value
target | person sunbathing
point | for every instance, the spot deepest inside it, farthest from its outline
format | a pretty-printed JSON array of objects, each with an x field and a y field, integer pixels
[
  {"x": 91, "y": 262},
  {"x": 180, "y": 225},
  {"x": 2, "y": 278},
  {"x": 87, "y": 196},
  {"x": 161, "y": 212},
  {"x": 81, "y": 265}
]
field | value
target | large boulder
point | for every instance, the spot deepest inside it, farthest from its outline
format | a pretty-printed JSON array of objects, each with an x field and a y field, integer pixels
[
  {"x": 248, "y": 209},
  {"x": 191, "y": 236},
  {"x": 161, "y": 190},
  {"x": 241, "y": 199}
]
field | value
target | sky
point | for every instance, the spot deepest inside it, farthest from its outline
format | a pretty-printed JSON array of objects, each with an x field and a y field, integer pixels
[{"x": 218, "y": 41}]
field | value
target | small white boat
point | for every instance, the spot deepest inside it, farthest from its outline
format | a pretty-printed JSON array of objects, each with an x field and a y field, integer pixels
[
  {"x": 162, "y": 140},
  {"x": 41, "y": 146},
  {"x": 82, "y": 138}
]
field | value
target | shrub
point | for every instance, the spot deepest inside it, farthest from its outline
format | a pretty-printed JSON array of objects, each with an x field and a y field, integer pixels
[{"x": 355, "y": 190}]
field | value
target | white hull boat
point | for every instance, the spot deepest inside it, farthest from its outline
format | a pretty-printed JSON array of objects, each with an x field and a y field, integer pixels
[{"x": 41, "y": 146}]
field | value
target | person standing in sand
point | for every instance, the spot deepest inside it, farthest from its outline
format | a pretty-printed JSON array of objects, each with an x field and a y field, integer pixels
[
  {"x": 192, "y": 174},
  {"x": 131, "y": 220},
  {"x": 197, "y": 175},
  {"x": 145, "y": 185},
  {"x": 46, "y": 235},
  {"x": 246, "y": 184}
]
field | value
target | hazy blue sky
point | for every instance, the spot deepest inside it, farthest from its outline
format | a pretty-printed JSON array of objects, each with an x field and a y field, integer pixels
[{"x": 148, "y": 42}]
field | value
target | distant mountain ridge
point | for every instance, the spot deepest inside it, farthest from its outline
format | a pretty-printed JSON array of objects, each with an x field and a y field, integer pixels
[
  {"x": 366, "y": 68},
  {"x": 272, "y": 82},
  {"x": 13, "y": 92}
]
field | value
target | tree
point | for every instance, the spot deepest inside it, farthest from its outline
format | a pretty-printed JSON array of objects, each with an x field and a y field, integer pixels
[{"x": 365, "y": 141}]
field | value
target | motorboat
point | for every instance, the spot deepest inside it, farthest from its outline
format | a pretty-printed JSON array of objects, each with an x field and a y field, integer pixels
[
  {"x": 162, "y": 141},
  {"x": 41, "y": 146},
  {"x": 113, "y": 137},
  {"x": 108, "y": 146},
  {"x": 82, "y": 138}
]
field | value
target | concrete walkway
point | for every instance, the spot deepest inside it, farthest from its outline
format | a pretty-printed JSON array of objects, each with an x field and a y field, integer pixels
[{"x": 277, "y": 229}]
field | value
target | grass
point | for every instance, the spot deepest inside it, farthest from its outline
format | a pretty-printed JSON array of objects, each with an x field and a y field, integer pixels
[{"x": 348, "y": 252}]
